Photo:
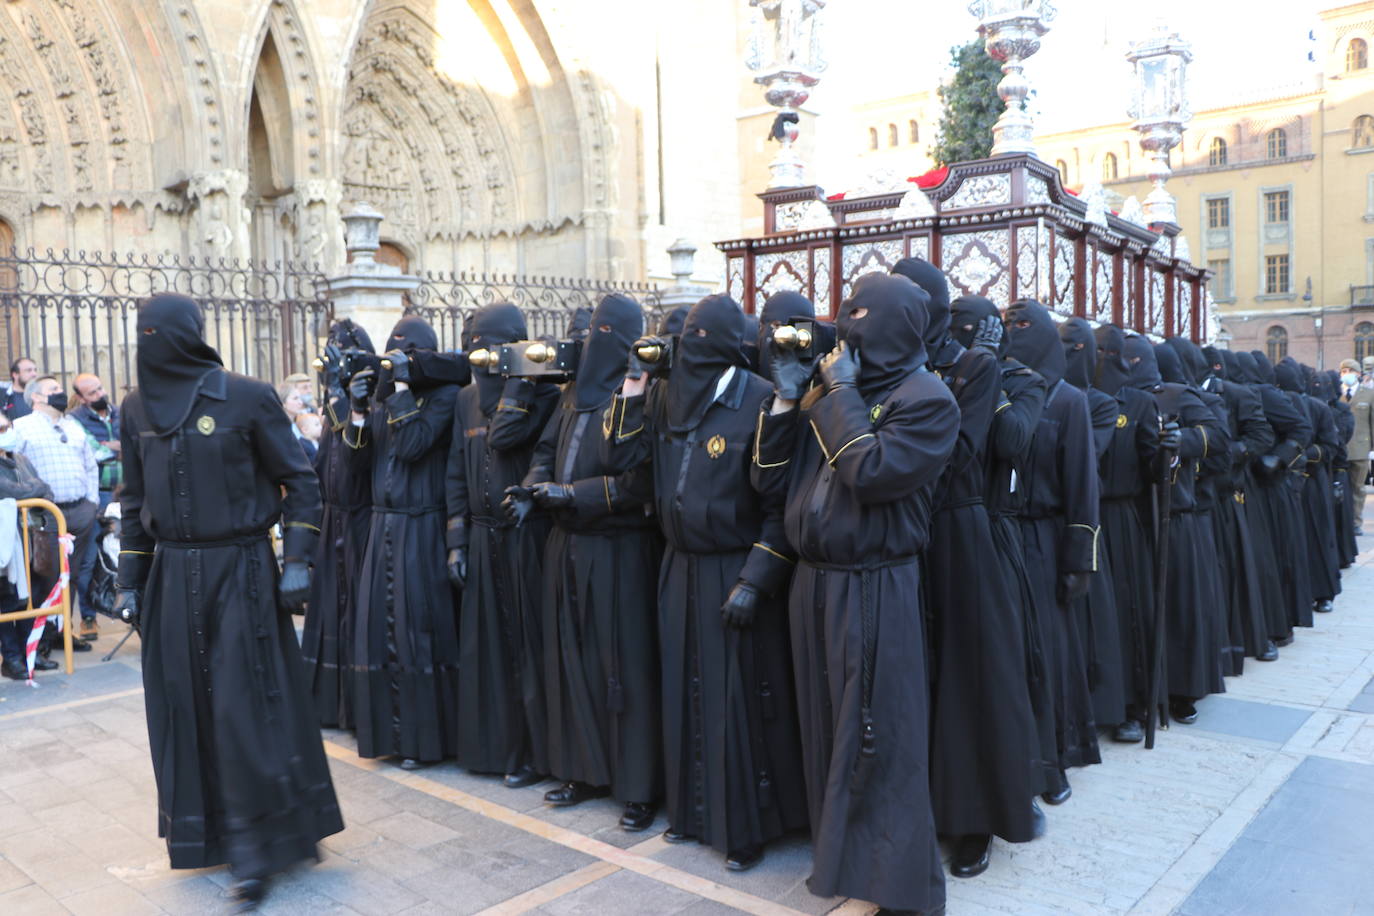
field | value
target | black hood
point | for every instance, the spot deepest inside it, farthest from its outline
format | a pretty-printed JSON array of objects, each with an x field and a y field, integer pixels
[
  {"x": 1231, "y": 368},
  {"x": 173, "y": 360},
  {"x": 750, "y": 344},
  {"x": 1112, "y": 372},
  {"x": 1140, "y": 357},
  {"x": 412, "y": 333},
  {"x": 1264, "y": 367},
  {"x": 579, "y": 324},
  {"x": 965, "y": 313},
  {"x": 615, "y": 325},
  {"x": 1080, "y": 352},
  {"x": 1327, "y": 386},
  {"x": 1288, "y": 375},
  {"x": 1195, "y": 365},
  {"x": 671, "y": 325},
  {"x": 931, "y": 279},
  {"x": 1216, "y": 363},
  {"x": 712, "y": 341},
  {"x": 491, "y": 326},
  {"x": 780, "y": 309},
  {"x": 346, "y": 335},
  {"x": 890, "y": 337},
  {"x": 1037, "y": 345},
  {"x": 1250, "y": 371},
  {"x": 1170, "y": 366}
]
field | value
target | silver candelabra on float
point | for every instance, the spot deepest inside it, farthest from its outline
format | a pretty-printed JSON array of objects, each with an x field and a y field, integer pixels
[
  {"x": 1011, "y": 31},
  {"x": 1160, "y": 109},
  {"x": 785, "y": 52}
]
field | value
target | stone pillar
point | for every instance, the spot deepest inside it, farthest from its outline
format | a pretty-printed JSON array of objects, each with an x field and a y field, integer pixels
[
  {"x": 682, "y": 255},
  {"x": 319, "y": 231},
  {"x": 367, "y": 292},
  {"x": 222, "y": 220}
]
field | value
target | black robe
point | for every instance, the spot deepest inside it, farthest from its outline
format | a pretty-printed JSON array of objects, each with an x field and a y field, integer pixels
[
  {"x": 730, "y": 745},
  {"x": 984, "y": 753},
  {"x": 601, "y": 664},
  {"x": 1097, "y": 624},
  {"x": 327, "y": 634},
  {"x": 1323, "y": 555},
  {"x": 1213, "y": 473},
  {"x": 502, "y": 722},
  {"x": 405, "y": 642},
  {"x": 1279, "y": 500},
  {"x": 859, "y": 510},
  {"x": 1344, "y": 419},
  {"x": 241, "y": 773}
]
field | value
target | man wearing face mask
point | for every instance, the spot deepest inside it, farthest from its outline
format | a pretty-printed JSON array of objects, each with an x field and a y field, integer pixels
[
  {"x": 100, "y": 418},
  {"x": 1360, "y": 399},
  {"x": 866, "y": 450}
]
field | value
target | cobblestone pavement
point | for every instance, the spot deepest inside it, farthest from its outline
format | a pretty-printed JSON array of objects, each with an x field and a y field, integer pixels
[{"x": 1265, "y": 805}]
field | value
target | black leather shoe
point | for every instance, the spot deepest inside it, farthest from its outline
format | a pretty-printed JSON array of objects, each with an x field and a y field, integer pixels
[
  {"x": 971, "y": 855},
  {"x": 525, "y": 776},
  {"x": 673, "y": 835},
  {"x": 14, "y": 672},
  {"x": 1039, "y": 823},
  {"x": 247, "y": 893},
  {"x": 1062, "y": 795},
  {"x": 410, "y": 763},
  {"x": 638, "y": 816},
  {"x": 78, "y": 645},
  {"x": 1284, "y": 641},
  {"x": 1270, "y": 653},
  {"x": 574, "y": 793},
  {"x": 45, "y": 664},
  {"x": 1323, "y": 607},
  {"x": 1129, "y": 732},
  {"x": 744, "y": 859},
  {"x": 1182, "y": 710}
]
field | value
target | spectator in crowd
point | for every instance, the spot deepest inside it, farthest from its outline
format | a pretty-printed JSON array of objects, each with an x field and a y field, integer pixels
[
  {"x": 1358, "y": 395},
  {"x": 309, "y": 428},
  {"x": 98, "y": 415},
  {"x": 18, "y": 480},
  {"x": 22, "y": 373},
  {"x": 304, "y": 385},
  {"x": 1367, "y": 379},
  {"x": 295, "y": 403},
  {"x": 61, "y": 452}
]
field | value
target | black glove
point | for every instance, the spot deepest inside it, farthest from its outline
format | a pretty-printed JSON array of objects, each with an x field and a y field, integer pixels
[
  {"x": 738, "y": 610},
  {"x": 1073, "y": 586},
  {"x": 126, "y": 607},
  {"x": 636, "y": 367},
  {"x": 294, "y": 586},
  {"x": 332, "y": 358},
  {"x": 840, "y": 368},
  {"x": 517, "y": 504},
  {"x": 360, "y": 390},
  {"x": 1170, "y": 436},
  {"x": 552, "y": 495},
  {"x": 458, "y": 566},
  {"x": 1269, "y": 466},
  {"x": 988, "y": 334},
  {"x": 789, "y": 375},
  {"x": 400, "y": 366}
]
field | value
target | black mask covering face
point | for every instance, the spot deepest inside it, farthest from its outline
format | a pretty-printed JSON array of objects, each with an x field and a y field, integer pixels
[
  {"x": 931, "y": 279},
  {"x": 884, "y": 319},
  {"x": 579, "y": 324},
  {"x": 348, "y": 336},
  {"x": 1112, "y": 371},
  {"x": 750, "y": 343},
  {"x": 1080, "y": 352},
  {"x": 1195, "y": 366},
  {"x": 492, "y": 326},
  {"x": 671, "y": 325},
  {"x": 1140, "y": 357},
  {"x": 173, "y": 360},
  {"x": 1216, "y": 364},
  {"x": 1288, "y": 375},
  {"x": 1037, "y": 344},
  {"x": 1265, "y": 368},
  {"x": 712, "y": 341},
  {"x": 58, "y": 401},
  {"x": 615, "y": 325},
  {"x": 1250, "y": 371},
  {"x": 965, "y": 314},
  {"x": 1326, "y": 386},
  {"x": 412, "y": 333},
  {"x": 1170, "y": 366},
  {"x": 1231, "y": 369},
  {"x": 101, "y": 404},
  {"x": 780, "y": 309}
]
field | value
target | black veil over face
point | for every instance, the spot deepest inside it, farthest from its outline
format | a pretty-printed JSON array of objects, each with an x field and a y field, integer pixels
[
  {"x": 1231, "y": 369},
  {"x": 1170, "y": 366},
  {"x": 781, "y": 308},
  {"x": 1037, "y": 343},
  {"x": 1080, "y": 352},
  {"x": 884, "y": 320},
  {"x": 1264, "y": 367},
  {"x": 173, "y": 359},
  {"x": 712, "y": 341},
  {"x": 412, "y": 333},
  {"x": 1250, "y": 371},
  {"x": 492, "y": 326},
  {"x": 615, "y": 325},
  {"x": 1140, "y": 356},
  {"x": 1112, "y": 372},
  {"x": 931, "y": 279},
  {"x": 1195, "y": 365},
  {"x": 966, "y": 313},
  {"x": 1288, "y": 375}
]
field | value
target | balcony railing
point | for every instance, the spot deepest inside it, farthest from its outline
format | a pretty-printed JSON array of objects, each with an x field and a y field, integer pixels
[{"x": 1362, "y": 297}]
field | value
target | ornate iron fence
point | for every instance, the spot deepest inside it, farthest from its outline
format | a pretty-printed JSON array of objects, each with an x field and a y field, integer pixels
[
  {"x": 75, "y": 312},
  {"x": 447, "y": 300}
]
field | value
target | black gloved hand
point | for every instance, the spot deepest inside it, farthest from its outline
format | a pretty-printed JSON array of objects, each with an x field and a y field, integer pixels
[
  {"x": 1269, "y": 466},
  {"x": 360, "y": 390},
  {"x": 636, "y": 367},
  {"x": 552, "y": 495},
  {"x": 294, "y": 586},
  {"x": 1072, "y": 586},
  {"x": 126, "y": 608},
  {"x": 458, "y": 566},
  {"x": 790, "y": 376},
  {"x": 400, "y": 366},
  {"x": 332, "y": 360},
  {"x": 1170, "y": 436},
  {"x": 517, "y": 504},
  {"x": 738, "y": 610},
  {"x": 988, "y": 334},
  {"x": 840, "y": 367}
]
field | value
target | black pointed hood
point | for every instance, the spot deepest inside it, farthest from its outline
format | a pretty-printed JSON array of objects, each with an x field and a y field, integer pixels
[
  {"x": 1140, "y": 356},
  {"x": 1080, "y": 352},
  {"x": 1233, "y": 372},
  {"x": 1288, "y": 375},
  {"x": 884, "y": 319},
  {"x": 965, "y": 314},
  {"x": 1112, "y": 371},
  {"x": 671, "y": 324},
  {"x": 780, "y": 309},
  {"x": 579, "y": 323},
  {"x": 1250, "y": 371},
  {"x": 712, "y": 341},
  {"x": 1170, "y": 366},
  {"x": 1264, "y": 367},
  {"x": 173, "y": 360},
  {"x": 494, "y": 325},
  {"x": 1036, "y": 343},
  {"x": 931, "y": 279},
  {"x": 1195, "y": 366},
  {"x": 612, "y": 329}
]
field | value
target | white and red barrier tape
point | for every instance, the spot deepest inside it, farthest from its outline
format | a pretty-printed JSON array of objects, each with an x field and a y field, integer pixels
[{"x": 54, "y": 599}]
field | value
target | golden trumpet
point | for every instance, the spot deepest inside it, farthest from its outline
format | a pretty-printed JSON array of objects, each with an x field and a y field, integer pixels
[
  {"x": 792, "y": 338},
  {"x": 540, "y": 353},
  {"x": 649, "y": 354},
  {"x": 317, "y": 364},
  {"x": 386, "y": 363},
  {"x": 482, "y": 359}
]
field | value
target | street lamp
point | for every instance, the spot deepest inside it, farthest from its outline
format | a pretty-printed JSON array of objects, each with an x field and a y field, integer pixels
[
  {"x": 1160, "y": 109},
  {"x": 1011, "y": 31},
  {"x": 785, "y": 51}
]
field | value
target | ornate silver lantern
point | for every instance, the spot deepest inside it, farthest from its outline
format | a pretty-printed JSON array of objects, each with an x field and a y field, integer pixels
[
  {"x": 784, "y": 51},
  {"x": 1160, "y": 109},
  {"x": 1011, "y": 31}
]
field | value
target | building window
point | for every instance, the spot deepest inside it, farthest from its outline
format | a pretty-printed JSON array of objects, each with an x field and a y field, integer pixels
[
  {"x": 892, "y": 135},
  {"x": 1356, "y": 55},
  {"x": 914, "y": 130},
  {"x": 1363, "y": 129},
  {"x": 1277, "y": 141},
  {"x": 1364, "y": 340},
  {"x": 1275, "y": 274},
  {"x": 1221, "y": 277},
  {"x": 1216, "y": 153},
  {"x": 1276, "y": 206},
  {"x": 1109, "y": 167},
  {"x": 1276, "y": 343},
  {"x": 1218, "y": 213},
  {"x": 873, "y": 138},
  {"x": 1063, "y": 168}
]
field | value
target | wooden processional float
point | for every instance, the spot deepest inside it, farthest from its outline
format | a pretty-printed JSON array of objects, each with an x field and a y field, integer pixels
[{"x": 1004, "y": 228}]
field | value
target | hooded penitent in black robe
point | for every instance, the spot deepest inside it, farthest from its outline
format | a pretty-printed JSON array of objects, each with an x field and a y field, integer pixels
[
  {"x": 1098, "y": 624},
  {"x": 210, "y": 465},
  {"x": 1241, "y": 575},
  {"x": 865, "y": 461},
  {"x": 502, "y": 723},
  {"x": 328, "y": 631},
  {"x": 983, "y": 747},
  {"x": 731, "y": 749},
  {"x": 1327, "y": 387},
  {"x": 1323, "y": 558},
  {"x": 405, "y": 644},
  {"x": 601, "y": 667},
  {"x": 1059, "y": 528},
  {"x": 1128, "y": 469}
]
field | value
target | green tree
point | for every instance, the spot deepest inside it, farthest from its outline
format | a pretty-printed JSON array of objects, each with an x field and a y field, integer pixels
[{"x": 971, "y": 106}]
